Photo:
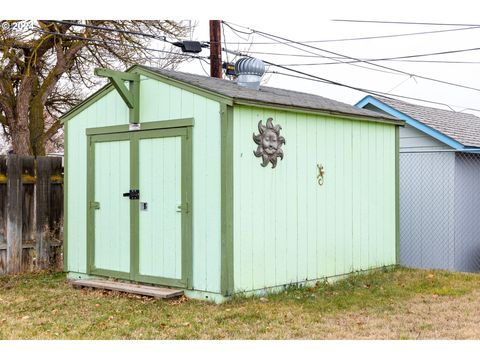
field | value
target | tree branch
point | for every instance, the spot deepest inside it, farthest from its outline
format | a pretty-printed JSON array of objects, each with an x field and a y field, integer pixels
[
  {"x": 32, "y": 90},
  {"x": 53, "y": 129}
]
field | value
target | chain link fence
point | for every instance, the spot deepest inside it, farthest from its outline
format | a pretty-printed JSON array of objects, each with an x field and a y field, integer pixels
[{"x": 440, "y": 210}]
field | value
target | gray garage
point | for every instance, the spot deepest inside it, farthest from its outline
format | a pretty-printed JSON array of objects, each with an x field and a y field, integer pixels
[{"x": 439, "y": 185}]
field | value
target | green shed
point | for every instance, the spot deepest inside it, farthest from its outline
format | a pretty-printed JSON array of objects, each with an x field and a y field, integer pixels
[{"x": 190, "y": 182}]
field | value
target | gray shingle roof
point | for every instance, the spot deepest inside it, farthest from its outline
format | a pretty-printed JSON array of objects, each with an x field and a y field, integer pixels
[
  {"x": 461, "y": 127},
  {"x": 269, "y": 95}
]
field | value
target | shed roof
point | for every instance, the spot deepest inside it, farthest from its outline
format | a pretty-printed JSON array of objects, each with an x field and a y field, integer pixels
[
  {"x": 266, "y": 96},
  {"x": 462, "y": 127},
  {"x": 269, "y": 95}
]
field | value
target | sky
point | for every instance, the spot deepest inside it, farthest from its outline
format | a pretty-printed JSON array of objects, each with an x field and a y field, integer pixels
[
  {"x": 392, "y": 77},
  {"x": 302, "y": 20}
]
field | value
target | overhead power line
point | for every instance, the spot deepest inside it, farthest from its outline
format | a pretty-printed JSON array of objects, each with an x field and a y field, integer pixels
[
  {"x": 76, "y": 37},
  {"x": 391, "y": 59},
  {"x": 372, "y": 92},
  {"x": 305, "y": 75},
  {"x": 186, "y": 46},
  {"x": 406, "y": 58},
  {"x": 447, "y": 52},
  {"x": 435, "y": 61},
  {"x": 402, "y": 22},
  {"x": 317, "y": 55},
  {"x": 121, "y": 31},
  {"x": 270, "y": 36},
  {"x": 311, "y": 77},
  {"x": 360, "y": 38}
]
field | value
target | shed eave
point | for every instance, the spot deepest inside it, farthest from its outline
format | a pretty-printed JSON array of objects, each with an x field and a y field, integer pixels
[
  {"x": 324, "y": 112},
  {"x": 182, "y": 85},
  {"x": 410, "y": 121},
  {"x": 473, "y": 150},
  {"x": 97, "y": 95}
]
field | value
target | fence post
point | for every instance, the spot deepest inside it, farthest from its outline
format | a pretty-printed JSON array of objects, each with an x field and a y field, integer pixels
[
  {"x": 55, "y": 214},
  {"x": 42, "y": 207},
  {"x": 14, "y": 214}
]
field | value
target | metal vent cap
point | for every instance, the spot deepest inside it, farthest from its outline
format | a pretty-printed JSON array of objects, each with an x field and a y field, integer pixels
[
  {"x": 249, "y": 72},
  {"x": 250, "y": 66}
]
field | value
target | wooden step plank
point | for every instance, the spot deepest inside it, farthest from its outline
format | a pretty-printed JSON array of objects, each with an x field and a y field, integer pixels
[{"x": 153, "y": 291}]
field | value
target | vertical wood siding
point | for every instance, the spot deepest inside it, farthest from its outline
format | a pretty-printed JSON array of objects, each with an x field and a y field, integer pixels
[
  {"x": 112, "y": 179},
  {"x": 289, "y": 229},
  {"x": 158, "y": 101},
  {"x": 109, "y": 110},
  {"x": 160, "y": 226}
]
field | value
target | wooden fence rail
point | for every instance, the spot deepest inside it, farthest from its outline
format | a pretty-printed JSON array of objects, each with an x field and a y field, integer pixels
[{"x": 31, "y": 213}]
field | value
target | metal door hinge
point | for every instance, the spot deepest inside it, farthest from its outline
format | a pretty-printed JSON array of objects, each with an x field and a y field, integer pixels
[
  {"x": 94, "y": 205},
  {"x": 183, "y": 208}
]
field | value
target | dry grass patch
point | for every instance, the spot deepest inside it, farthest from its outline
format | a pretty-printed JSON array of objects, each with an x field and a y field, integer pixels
[{"x": 398, "y": 304}]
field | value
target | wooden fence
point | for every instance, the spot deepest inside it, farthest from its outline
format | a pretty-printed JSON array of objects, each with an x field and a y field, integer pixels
[{"x": 31, "y": 213}]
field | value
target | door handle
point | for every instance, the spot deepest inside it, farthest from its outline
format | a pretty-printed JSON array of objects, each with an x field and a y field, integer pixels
[{"x": 133, "y": 194}]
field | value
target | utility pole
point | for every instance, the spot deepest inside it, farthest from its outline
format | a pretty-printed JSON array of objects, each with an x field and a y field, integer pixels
[{"x": 215, "y": 49}]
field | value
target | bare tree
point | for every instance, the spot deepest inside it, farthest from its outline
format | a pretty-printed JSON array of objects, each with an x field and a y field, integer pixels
[{"x": 45, "y": 66}]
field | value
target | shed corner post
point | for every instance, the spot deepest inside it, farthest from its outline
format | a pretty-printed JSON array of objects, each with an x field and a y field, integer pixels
[
  {"x": 65, "y": 197},
  {"x": 397, "y": 195},
  {"x": 226, "y": 126}
]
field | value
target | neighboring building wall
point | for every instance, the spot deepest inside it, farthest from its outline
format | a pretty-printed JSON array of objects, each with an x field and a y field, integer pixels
[
  {"x": 427, "y": 218},
  {"x": 374, "y": 108},
  {"x": 467, "y": 206},
  {"x": 412, "y": 139},
  {"x": 439, "y": 201},
  {"x": 158, "y": 102},
  {"x": 287, "y": 228}
]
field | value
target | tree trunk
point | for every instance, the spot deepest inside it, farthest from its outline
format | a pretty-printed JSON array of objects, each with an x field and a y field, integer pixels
[
  {"x": 37, "y": 127},
  {"x": 19, "y": 130},
  {"x": 21, "y": 138}
]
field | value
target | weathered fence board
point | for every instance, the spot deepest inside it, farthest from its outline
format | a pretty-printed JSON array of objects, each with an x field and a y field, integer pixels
[
  {"x": 42, "y": 207},
  {"x": 14, "y": 214},
  {"x": 31, "y": 213},
  {"x": 3, "y": 204},
  {"x": 28, "y": 202}
]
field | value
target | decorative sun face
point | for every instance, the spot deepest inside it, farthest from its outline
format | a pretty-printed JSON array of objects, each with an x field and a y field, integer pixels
[{"x": 269, "y": 143}]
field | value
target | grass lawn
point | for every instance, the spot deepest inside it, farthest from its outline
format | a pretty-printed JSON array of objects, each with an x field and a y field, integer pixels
[{"x": 390, "y": 304}]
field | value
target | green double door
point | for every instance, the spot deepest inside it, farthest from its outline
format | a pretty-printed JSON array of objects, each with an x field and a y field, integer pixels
[{"x": 139, "y": 206}]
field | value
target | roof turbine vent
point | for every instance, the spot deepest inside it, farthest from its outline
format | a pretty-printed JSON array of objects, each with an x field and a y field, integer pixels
[{"x": 249, "y": 72}]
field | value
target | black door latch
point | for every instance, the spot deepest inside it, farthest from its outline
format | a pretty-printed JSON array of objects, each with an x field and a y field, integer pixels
[{"x": 132, "y": 194}]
